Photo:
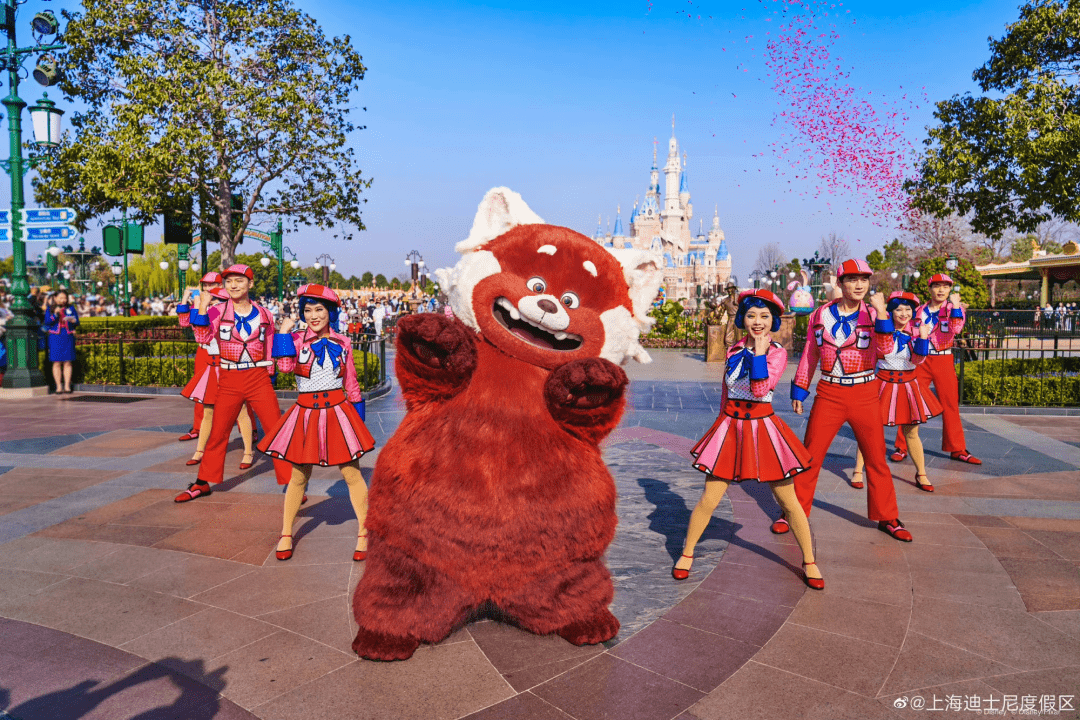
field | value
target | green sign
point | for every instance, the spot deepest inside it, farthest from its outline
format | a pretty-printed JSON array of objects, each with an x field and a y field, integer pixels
[
  {"x": 111, "y": 238},
  {"x": 134, "y": 238}
]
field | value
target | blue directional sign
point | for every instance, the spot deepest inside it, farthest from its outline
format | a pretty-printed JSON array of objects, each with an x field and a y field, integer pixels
[
  {"x": 47, "y": 216},
  {"x": 5, "y": 234},
  {"x": 49, "y": 232},
  {"x": 5, "y": 217}
]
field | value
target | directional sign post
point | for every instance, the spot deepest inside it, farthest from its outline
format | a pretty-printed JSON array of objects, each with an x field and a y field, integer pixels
[
  {"x": 48, "y": 216},
  {"x": 49, "y": 232}
]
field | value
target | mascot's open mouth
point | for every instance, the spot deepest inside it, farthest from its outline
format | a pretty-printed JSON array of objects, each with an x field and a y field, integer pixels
[{"x": 520, "y": 327}]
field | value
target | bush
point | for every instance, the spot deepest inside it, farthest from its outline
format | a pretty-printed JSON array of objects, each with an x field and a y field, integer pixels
[
  {"x": 1036, "y": 382},
  {"x": 147, "y": 363},
  {"x": 125, "y": 326}
]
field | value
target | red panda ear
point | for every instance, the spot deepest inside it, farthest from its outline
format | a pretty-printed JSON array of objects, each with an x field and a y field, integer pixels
[
  {"x": 644, "y": 272},
  {"x": 499, "y": 211}
]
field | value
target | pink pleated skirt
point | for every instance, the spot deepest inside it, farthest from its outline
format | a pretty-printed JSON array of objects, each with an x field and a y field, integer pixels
[
  {"x": 320, "y": 429},
  {"x": 903, "y": 400},
  {"x": 749, "y": 442},
  {"x": 202, "y": 388}
]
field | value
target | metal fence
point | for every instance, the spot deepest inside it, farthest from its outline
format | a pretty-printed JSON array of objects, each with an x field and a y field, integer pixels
[
  {"x": 1019, "y": 376},
  {"x": 147, "y": 362},
  {"x": 1022, "y": 322}
]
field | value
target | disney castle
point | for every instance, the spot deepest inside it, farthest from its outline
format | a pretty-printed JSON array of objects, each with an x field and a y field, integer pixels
[{"x": 664, "y": 226}]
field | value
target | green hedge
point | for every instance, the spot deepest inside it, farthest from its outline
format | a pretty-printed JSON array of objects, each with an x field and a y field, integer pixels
[
  {"x": 163, "y": 363},
  {"x": 1022, "y": 383},
  {"x": 115, "y": 326}
]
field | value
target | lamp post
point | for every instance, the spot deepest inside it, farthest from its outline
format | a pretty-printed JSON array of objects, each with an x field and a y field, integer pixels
[
  {"x": 23, "y": 373},
  {"x": 182, "y": 265},
  {"x": 415, "y": 261},
  {"x": 815, "y": 266},
  {"x": 327, "y": 264}
]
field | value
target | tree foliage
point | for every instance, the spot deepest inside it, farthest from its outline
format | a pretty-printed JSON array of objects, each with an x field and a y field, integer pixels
[
  {"x": 1009, "y": 158},
  {"x": 207, "y": 99},
  {"x": 973, "y": 289}
]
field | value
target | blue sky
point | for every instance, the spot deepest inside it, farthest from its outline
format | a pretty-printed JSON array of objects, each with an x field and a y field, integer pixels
[{"x": 560, "y": 101}]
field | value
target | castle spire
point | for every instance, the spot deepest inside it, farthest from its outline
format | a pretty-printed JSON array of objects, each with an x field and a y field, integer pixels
[{"x": 618, "y": 222}]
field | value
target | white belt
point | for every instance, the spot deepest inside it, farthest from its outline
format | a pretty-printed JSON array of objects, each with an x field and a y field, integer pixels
[
  {"x": 228, "y": 365},
  {"x": 946, "y": 351},
  {"x": 850, "y": 379}
]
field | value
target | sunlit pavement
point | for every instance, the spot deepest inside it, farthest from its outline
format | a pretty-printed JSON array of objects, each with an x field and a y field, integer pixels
[{"x": 117, "y": 603}]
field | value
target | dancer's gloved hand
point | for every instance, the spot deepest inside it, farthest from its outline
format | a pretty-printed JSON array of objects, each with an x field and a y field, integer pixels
[
  {"x": 925, "y": 330},
  {"x": 877, "y": 301}
]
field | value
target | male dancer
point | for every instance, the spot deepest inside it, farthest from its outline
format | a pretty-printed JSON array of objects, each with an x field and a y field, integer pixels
[
  {"x": 244, "y": 331},
  {"x": 945, "y": 313},
  {"x": 841, "y": 338}
]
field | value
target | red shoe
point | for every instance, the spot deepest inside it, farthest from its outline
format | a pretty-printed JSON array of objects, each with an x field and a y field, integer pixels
[
  {"x": 284, "y": 554},
  {"x": 195, "y": 490},
  {"x": 780, "y": 526},
  {"x": 966, "y": 457},
  {"x": 813, "y": 583},
  {"x": 857, "y": 484},
  {"x": 189, "y": 435},
  {"x": 679, "y": 573},
  {"x": 898, "y": 455},
  {"x": 194, "y": 461},
  {"x": 925, "y": 487},
  {"x": 246, "y": 465},
  {"x": 359, "y": 555},
  {"x": 896, "y": 529},
  {"x": 303, "y": 499}
]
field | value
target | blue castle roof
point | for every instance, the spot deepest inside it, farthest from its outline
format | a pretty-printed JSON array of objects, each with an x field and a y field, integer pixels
[
  {"x": 618, "y": 231},
  {"x": 684, "y": 184},
  {"x": 722, "y": 252},
  {"x": 668, "y": 261}
]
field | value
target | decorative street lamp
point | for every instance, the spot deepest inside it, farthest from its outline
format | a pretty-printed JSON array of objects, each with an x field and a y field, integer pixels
[
  {"x": 951, "y": 262},
  {"x": 328, "y": 265},
  {"x": 415, "y": 261},
  {"x": 46, "y": 119},
  {"x": 22, "y": 329}
]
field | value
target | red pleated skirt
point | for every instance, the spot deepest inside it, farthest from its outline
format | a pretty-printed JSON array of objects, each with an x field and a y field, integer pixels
[
  {"x": 903, "y": 400},
  {"x": 320, "y": 429},
  {"x": 202, "y": 388},
  {"x": 749, "y": 442}
]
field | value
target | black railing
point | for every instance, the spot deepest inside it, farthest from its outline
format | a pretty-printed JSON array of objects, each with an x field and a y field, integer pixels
[
  {"x": 142, "y": 362},
  {"x": 1022, "y": 323}
]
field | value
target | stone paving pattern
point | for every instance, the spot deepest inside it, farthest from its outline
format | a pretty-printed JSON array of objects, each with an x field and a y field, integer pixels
[{"x": 117, "y": 603}]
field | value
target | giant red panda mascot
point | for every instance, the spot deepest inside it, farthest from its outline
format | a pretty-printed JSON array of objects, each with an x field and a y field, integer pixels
[{"x": 492, "y": 495}]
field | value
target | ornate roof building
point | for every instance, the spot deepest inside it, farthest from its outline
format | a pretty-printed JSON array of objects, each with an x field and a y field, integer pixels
[{"x": 692, "y": 262}]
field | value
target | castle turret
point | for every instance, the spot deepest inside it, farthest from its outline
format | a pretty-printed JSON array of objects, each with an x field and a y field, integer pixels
[{"x": 618, "y": 232}]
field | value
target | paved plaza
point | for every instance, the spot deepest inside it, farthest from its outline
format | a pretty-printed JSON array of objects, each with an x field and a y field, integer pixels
[{"x": 117, "y": 603}]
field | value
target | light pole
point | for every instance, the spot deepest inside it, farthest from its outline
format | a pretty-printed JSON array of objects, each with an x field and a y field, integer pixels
[
  {"x": 415, "y": 262},
  {"x": 327, "y": 264},
  {"x": 23, "y": 373}
]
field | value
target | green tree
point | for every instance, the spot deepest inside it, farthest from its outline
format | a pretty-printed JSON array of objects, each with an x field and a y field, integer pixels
[
  {"x": 208, "y": 100},
  {"x": 1010, "y": 159},
  {"x": 380, "y": 281},
  {"x": 367, "y": 279},
  {"x": 973, "y": 290},
  {"x": 876, "y": 260},
  {"x": 395, "y": 284},
  {"x": 7, "y": 266}
]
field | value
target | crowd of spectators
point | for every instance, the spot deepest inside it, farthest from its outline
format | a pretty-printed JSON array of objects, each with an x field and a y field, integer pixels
[{"x": 1062, "y": 318}]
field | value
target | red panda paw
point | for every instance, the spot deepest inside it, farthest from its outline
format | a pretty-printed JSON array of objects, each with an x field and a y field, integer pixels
[
  {"x": 437, "y": 342},
  {"x": 584, "y": 384}
]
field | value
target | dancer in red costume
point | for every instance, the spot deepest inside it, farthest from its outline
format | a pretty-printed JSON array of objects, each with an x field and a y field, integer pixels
[
  {"x": 202, "y": 388},
  {"x": 945, "y": 313},
  {"x": 904, "y": 400},
  {"x": 241, "y": 329},
  {"x": 748, "y": 441},
  {"x": 842, "y": 340},
  {"x": 325, "y": 426}
]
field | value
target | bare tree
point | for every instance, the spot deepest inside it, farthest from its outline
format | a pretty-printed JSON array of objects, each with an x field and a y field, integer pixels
[
  {"x": 1056, "y": 232},
  {"x": 834, "y": 247},
  {"x": 768, "y": 257},
  {"x": 930, "y": 236}
]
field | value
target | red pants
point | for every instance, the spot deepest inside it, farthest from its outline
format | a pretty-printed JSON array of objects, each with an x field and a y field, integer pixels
[
  {"x": 196, "y": 423},
  {"x": 940, "y": 370},
  {"x": 236, "y": 387},
  {"x": 856, "y": 405}
]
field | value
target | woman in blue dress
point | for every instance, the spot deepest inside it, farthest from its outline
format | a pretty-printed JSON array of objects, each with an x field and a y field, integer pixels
[{"x": 60, "y": 322}]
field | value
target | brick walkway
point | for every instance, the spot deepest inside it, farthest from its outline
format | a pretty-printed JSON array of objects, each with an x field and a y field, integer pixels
[{"x": 116, "y": 603}]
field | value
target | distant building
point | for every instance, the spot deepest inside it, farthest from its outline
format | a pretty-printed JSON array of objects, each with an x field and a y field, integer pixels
[{"x": 664, "y": 225}]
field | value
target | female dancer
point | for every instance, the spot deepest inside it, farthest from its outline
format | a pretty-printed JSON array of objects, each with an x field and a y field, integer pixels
[
  {"x": 202, "y": 388},
  {"x": 60, "y": 322},
  {"x": 321, "y": 428},
  {"x": 747, "y": 441},
  {"x": 903, "y": 400}
]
